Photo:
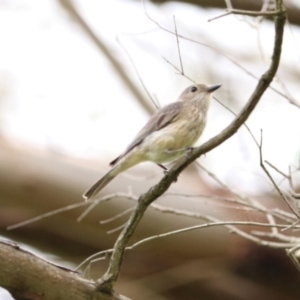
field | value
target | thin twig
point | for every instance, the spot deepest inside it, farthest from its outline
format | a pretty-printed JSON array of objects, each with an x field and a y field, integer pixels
[
  {"x": 178, "y": 47},
  {"x": 254, "y": 13},
  {"x": 272, "y": 180},
  {"x": 246, "y": 126},
  {"x": 157, "y": 106},
  {"x": 117, "y": 228},
  {"x": 281, "y": 237},
  {"x": 290, "y": 226},
  {"x": 179, "y": 72},
  {"x": 231, "y": 225},
  {"x": 212, "y": 223},
  {"x": 247, "y": 13},
  {"x": 276, "y": 169},
  {"x": 292, "y": 254},
  {"x": 73, "y": 206},
  {"x": 219, "y": 16},
  {"x": 104, "y": 253},
  {"x": 294, "y": 195},
  {"x": 251, "y": 202},
  {"x": 94, "y": 202},
  {"x": 48, "y": 214},
  {"x": 130, "y": 209}
]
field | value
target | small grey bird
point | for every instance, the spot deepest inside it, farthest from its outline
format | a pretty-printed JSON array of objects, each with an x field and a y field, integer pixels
[{"x": 166, "y": 136}]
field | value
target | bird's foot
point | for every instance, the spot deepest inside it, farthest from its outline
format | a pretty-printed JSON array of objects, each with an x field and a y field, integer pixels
[{"x": 189, "y": 151}]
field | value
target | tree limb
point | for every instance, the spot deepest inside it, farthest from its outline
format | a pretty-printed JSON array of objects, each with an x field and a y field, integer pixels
[{"x": 29, "y": 277}]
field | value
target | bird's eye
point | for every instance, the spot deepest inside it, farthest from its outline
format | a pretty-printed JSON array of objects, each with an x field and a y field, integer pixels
[{"x": 193, "y": 89}]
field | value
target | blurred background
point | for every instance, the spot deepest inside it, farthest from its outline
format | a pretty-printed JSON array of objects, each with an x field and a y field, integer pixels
[{"x": 72, "y": 98}]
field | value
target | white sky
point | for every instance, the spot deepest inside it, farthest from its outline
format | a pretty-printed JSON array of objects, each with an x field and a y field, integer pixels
[{"x": 58, "y": 91}]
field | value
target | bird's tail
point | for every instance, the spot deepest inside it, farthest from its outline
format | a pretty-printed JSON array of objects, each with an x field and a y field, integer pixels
[{"x": 100, "y": 184}]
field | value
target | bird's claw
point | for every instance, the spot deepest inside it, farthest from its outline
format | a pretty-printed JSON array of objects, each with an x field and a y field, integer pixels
[
  {"x": 189, "y": 150},
  {"x": 166, "y": 171}
]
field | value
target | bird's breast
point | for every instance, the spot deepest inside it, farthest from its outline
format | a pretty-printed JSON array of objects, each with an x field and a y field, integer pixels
[{"x": 160, "y": 146}]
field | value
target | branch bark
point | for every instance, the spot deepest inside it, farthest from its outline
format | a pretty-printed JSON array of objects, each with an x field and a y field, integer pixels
[
  {"x": 29, "y": 277},
  {"x": 108, "y": 280}
]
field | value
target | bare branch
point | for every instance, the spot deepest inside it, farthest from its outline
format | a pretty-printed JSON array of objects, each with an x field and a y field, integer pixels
[
  {"x": 276, "y": 169},
  {"x": 93, "y": 203},
  {"x": 254, "y": 13},
  {"x": 246, "y": 13},
  {"x": 246, "y": 126},
  {"x": 117, "y": 228},
  {"x": 178, "y": 47},
  {"x": 292, "y": 254},
  {"x": 273, "y": 181},
  {"x": 294, "y": 195},
  {"x": 130, "y": 209},
  {"x": 229, "y": 224},
  {"x": 46, "y": 215},
  {"x": 41, "y": 279},
  {"x": 179, "y": 72},
  {"x": 157, "y": 106}
]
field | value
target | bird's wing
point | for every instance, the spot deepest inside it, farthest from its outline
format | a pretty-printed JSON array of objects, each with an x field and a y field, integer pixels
[{"x": 160, "y": 119}]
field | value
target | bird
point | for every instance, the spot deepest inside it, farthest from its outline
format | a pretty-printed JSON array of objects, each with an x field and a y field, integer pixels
[{"x": 167, "y": 135}]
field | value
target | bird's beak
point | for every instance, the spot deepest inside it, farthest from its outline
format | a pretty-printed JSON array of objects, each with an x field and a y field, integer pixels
[{"x": 212, "y": 88}]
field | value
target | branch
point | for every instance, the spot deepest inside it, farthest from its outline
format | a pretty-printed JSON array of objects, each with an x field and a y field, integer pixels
[
  {"x": 273, "y": 181},
  {"x": 253, "y": 13},
  {"x": 27, "y": 276},
  {"x": 229, "y": 224},
  {"x": 246, "y": 13},
  {"x": 108, "y": 280}
]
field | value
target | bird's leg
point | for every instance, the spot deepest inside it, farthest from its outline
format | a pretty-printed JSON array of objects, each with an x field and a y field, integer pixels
[
  {"x": 189, "y": 151},
  {"x": 166, "y": 170}
]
